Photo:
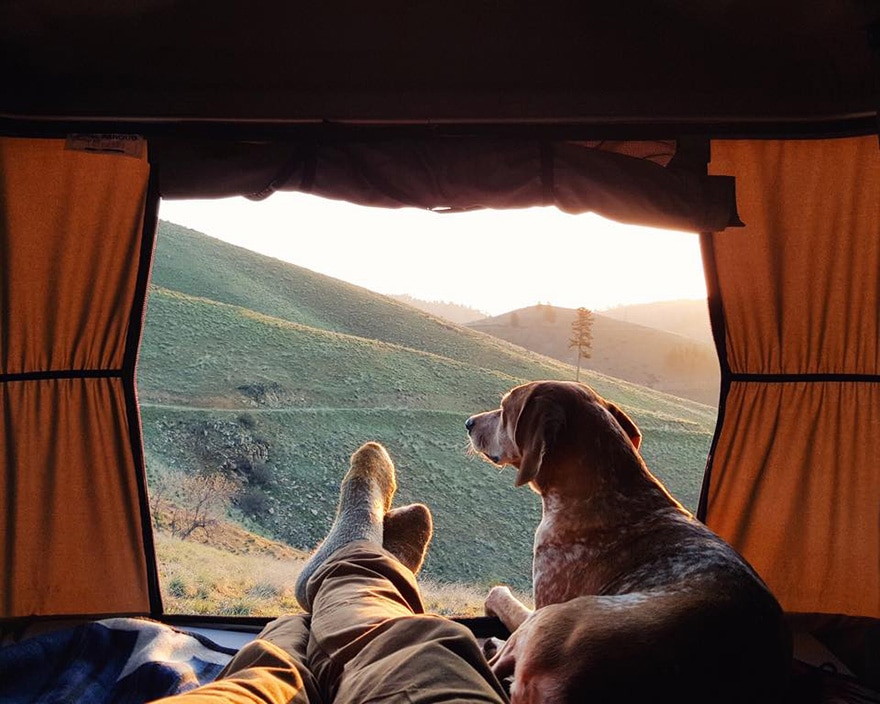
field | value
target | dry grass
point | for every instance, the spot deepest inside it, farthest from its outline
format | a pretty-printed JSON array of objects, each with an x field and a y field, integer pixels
[
  {"x": 226, "y": 536},
  {"x": 457, "y": 599},
  {"x": 202, "y": 579}
]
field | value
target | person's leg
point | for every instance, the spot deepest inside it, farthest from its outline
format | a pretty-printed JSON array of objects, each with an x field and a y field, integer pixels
[
  {"x": 268, "y": 670},
  {"x": 370, "y": 639}
]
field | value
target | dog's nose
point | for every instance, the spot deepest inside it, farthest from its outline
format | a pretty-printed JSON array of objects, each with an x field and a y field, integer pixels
[{"x": 469, "y": 423}]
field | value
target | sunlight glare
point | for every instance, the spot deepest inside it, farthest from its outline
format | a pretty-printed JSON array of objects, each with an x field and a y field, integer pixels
[{"x": 492, "y": 260}]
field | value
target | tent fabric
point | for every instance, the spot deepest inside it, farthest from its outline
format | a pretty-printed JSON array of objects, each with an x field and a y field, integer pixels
[
  {"x": 72, "y": 537},
  {"x": 632, "y": 182},
  {"x": 793, "y": 480},
  {"x": 685, "y": 62}
]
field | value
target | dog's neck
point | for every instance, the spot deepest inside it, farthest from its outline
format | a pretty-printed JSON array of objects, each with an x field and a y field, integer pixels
[{"x": 618, "y": 484}]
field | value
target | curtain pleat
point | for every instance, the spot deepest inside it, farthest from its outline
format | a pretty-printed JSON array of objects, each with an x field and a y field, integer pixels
[
  {"x": 71, "y": 515},
  {"x": 793, "y": 481}
]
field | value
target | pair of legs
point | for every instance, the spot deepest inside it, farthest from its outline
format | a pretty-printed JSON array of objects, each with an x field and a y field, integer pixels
[{"x": 365, "y": 636}]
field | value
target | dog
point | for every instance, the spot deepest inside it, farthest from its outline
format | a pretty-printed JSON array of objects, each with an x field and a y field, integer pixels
[{"x": 635, "y": 600}]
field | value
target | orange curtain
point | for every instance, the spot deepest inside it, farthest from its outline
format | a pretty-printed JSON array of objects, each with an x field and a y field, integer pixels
[
  {"x": 793, "y": 481},
  {"x": 74, "y": 534}
]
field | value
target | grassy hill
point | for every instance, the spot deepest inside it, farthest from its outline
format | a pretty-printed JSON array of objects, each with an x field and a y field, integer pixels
[
  {"x": 686, "y": 317},
  {"x": 200, "y": 266},
  {"x": 652, "y": 357},
  {"x": 208, "y": 354},
  {"x": 275, "y": 374}
]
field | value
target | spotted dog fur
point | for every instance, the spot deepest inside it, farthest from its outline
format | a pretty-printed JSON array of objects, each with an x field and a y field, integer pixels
[{"x": 635, "y": 599}]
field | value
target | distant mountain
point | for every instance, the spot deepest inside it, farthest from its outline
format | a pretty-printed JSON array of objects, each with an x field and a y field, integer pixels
[
  {"x": 274, "y": 374},
  {"x": 675, "y": 364},
  {"x": 454, "y": 312},
  {"x": 685, "y": 317}
]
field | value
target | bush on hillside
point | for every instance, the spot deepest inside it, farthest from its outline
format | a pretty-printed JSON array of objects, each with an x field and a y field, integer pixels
[
  {"x": 252, "y": 502},
  {"x": 184, "y": 504}
]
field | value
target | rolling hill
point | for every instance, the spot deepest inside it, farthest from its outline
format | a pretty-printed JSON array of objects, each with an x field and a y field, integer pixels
[
  {"x": 454, "y": 312},
  {"x": 649, "y": 356},
  {"x": 274, "y": 374},
  {"x": 686, "y": 317}
]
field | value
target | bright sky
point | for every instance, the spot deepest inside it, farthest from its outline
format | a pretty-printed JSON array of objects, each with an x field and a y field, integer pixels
[{"x": 495, "y": 261}]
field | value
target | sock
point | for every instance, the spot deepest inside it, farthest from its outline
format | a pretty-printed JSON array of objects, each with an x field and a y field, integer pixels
[
  {"x": 364, "y": 499},
  {"x": 407, "y": 534}
]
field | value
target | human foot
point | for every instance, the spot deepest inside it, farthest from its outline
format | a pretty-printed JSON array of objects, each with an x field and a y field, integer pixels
[
  {"x": 364, "y": 499},
  {"x": 407, "y": 534}
]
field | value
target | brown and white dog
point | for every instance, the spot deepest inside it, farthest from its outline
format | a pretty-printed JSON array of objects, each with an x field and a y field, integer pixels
[{"x": 635, "y": 599}]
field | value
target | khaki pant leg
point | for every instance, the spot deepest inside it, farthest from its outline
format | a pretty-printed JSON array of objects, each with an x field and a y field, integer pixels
[
  {"x": 268, "y": 670},
  {"x": 372, "y": 642}
]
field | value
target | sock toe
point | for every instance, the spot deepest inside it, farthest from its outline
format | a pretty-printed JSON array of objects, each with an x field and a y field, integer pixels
[{"x": 407, "y": 534}]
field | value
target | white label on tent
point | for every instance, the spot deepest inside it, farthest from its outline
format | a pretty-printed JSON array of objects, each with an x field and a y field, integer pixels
[{"x": 124, "y": 144}]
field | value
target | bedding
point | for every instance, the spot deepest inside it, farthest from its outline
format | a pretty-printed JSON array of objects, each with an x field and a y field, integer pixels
[{"x": 119, "y": 660}]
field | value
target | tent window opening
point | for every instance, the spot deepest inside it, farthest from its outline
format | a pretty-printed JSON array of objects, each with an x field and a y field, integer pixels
[{"x": 280, "y": 335}]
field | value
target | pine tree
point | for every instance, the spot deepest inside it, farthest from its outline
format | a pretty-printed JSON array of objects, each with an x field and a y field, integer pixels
[{"x": 582, "y": 336}]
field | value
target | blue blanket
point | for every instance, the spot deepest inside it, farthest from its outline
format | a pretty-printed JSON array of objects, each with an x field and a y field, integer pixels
[{"x": 121, "y": 660}]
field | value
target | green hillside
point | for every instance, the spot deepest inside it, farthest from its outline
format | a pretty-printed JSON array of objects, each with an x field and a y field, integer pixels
[
  {"x": 208, "y": 354},
  {"x": 647, "y": 356},
  {"x": 200, "y": 266},
  {"x": 192, "y": 263},
  {"x": 274, "y": 375}
]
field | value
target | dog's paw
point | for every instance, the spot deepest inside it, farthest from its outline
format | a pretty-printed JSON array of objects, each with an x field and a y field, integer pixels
[
  {"x": 496, "y": 600},
  {"x": 506, "y": 607}
]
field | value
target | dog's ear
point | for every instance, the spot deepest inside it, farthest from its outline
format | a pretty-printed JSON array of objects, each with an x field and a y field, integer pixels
[
  {"x": 538, "y": 423},
  {"x": 629, "y": 427}
]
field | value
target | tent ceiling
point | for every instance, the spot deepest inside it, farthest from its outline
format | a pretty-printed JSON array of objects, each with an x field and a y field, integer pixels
[
  {"x": 735, "y": 64},
  {"x": 324, "y": 75}
]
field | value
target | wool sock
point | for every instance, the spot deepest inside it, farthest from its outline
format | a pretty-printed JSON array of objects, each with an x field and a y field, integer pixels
[
  {"x": 407, "y": 534},
  {"x": 364, "y": 499}
]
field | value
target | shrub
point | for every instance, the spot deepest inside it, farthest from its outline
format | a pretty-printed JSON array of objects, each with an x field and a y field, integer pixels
[
  {"x": 178, "y": 588},
  {"x": 252, "y": 502},
  {"x": 237, "y": 608},
  {"x": 246, "y": 420},
  {"x": 264, "y": 590},
  {"x": 262, "y": 474},
  {"x": 194, "y": 502}
]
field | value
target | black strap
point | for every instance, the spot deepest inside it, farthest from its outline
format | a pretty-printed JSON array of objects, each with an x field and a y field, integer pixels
[{"x": 48, "y": 374}]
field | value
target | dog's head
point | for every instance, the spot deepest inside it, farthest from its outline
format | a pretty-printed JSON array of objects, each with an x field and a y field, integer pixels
[{"x": 544, "y": 421}]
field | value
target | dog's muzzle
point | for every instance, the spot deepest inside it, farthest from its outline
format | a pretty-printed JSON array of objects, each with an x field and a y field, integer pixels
[{"x": 469, "y": 426}]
